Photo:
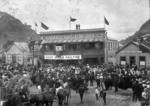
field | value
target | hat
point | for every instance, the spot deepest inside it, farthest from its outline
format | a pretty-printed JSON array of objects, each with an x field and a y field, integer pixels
[
  {"x": 148, "y": 86},
  {"x": 148, "y": 82},
  {"x": 140, "y": 82},
  {"x": 143, "y": 85},
  {"x": 143, "y": 81}
]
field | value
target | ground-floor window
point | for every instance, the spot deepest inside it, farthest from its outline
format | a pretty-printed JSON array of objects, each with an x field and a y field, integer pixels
[
  {"x": 142, "y": 60},
  {"x": 122, "y": 60}
]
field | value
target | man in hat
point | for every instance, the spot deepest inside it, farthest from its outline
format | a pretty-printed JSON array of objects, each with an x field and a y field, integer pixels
[
  {"x": 140, "y": 90},
  {"x": 103, "y": 95},
  {"x": 145, "y": 98},
  {"x": 134, "y": 89}
]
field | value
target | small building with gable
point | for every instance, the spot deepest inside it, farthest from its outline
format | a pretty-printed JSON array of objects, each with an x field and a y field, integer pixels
[
  {"x": 134, "y": 53},
  {"x": 17, "y": 53}
]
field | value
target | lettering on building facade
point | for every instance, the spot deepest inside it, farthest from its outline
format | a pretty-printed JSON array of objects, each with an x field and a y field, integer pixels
[
  {"x": 74, "y": 36},
  {"x": 62, "y": 57}
]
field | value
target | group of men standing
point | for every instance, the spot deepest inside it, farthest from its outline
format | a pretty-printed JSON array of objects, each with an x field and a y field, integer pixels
[{"x": 141, "y": 91}]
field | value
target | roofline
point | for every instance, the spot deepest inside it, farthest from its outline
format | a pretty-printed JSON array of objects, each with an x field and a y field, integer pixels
[
  {"x": 14, "y": 43},
  {"x": 131, "y": 42},
  {"x": 146, "y": 35},
  {"x": 74, "y": 31},
  {"x": 145, "y": 46}
]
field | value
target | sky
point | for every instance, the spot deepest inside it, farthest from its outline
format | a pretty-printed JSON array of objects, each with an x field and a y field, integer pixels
[{"x": 125, "y": 16}]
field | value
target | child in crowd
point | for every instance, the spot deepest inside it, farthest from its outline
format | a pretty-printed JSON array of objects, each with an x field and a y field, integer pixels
[{"x": 97, "y": 93}]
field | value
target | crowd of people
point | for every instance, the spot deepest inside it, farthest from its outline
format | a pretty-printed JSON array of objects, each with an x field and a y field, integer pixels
[{"x": 51, "y": 76}]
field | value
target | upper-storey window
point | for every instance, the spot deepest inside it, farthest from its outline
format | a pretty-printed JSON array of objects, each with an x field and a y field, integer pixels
[
  {"x": 89, "y": 46},
  {"x": 73, "y": 47}
]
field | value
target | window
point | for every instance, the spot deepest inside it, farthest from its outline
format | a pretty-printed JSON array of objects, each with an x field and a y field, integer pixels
[
  {"x": 142, "y": 60},
  {"x": 111, "y": 45},
  {"x": 51, "y": 47},
  {"x": 73, "y": 47},
  {"x": 89, "y": 45},
  {"x": 8, "y": 57},
  {"x": 97, "y": 45},
  {"x": 122, "y": 60},
  {"x": 19, "y": 58},
  {"x": 79, "y": 46},
  {"x": 108, "y": 45},
  {"x": 101, "y": 45}
]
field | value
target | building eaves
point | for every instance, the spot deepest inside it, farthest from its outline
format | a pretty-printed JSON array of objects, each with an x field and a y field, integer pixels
[
  {"x": 132, "y": 42},
  {"x": 73, "y": 31}
]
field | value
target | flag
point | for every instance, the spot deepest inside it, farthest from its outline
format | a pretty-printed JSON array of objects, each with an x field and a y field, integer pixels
[
  {"x": 106, "y": 22},
  {"x": 72, "y": 19},
  {"x": 36, "y": 24},
  {"x": 44, "y": 26}
]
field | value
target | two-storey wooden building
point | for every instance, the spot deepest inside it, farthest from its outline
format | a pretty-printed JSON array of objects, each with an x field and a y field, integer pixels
[{"x": 75, "y": 46}]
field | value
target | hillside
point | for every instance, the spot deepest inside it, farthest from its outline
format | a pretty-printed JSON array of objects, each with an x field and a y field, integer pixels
[
  {"x": 12, "y": 29},
  {"x": 145, "y": 29}
]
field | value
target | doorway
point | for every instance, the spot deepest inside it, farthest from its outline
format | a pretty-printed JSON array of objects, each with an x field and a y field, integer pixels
[
  {"x": 14, "y": 57},
  {"x": 132, "y": 61}
]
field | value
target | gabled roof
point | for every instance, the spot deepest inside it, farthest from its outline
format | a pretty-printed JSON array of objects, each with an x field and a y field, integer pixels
[
  {"x": 141, "y": 46},
  {"x": 146, "y": 35},
  {"x": 22, "y": 46},
  {"x": 73, "y": 31},
  {"x": 144, "y": 48},
  {"x": 126, "y": 46}
]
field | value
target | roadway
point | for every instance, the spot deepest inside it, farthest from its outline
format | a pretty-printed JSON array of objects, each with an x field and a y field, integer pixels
[{"x": 120, "y": 98}]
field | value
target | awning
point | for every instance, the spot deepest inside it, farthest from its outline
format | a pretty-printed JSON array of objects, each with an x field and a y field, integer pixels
[{"x": 72, "y": 40}]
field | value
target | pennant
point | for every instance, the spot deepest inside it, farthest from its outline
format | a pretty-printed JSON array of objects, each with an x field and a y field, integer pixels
[
  {"x": 72, "y": 19},
  {"x": 106, "y": 21},
  {"x": 44, "y": 26}
]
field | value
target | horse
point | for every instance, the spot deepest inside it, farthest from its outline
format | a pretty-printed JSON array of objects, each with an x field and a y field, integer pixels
[
  {"x": 63, "y": 94},
  {"x": 42, "y": 98}
]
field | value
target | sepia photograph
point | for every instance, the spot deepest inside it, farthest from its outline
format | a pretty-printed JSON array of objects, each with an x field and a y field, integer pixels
[{"x": 74, "y": 52}]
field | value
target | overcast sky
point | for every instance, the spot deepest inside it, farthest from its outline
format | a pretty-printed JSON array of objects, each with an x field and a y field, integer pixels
[{"x": 125, "y": 16}]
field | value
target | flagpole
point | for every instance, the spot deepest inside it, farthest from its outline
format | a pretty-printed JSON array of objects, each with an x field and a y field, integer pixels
[
  {"x": 149, "y": 9},
  {"x": 104, "y": 21},
  {"x": 70, "y": 23},
  {"x": 35, "y": 27},
  {"x": 105, "y": 43}
]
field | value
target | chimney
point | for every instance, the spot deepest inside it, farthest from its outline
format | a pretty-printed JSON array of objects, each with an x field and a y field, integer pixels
[
  {"x": 77, "y": 26},
  {"x": 138, "y": 40}
]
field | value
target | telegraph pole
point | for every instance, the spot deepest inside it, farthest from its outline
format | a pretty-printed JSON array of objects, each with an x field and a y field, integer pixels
[{"x": 149, "y": 9}]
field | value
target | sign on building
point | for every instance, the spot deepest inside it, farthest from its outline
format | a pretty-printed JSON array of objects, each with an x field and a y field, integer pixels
[
  {"x": 62, "y": 57},
  {"x": 59, "y": 48}
]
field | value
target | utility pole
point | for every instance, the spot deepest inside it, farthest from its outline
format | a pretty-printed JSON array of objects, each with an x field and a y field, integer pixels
[{"x": 149, "y": 9}]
